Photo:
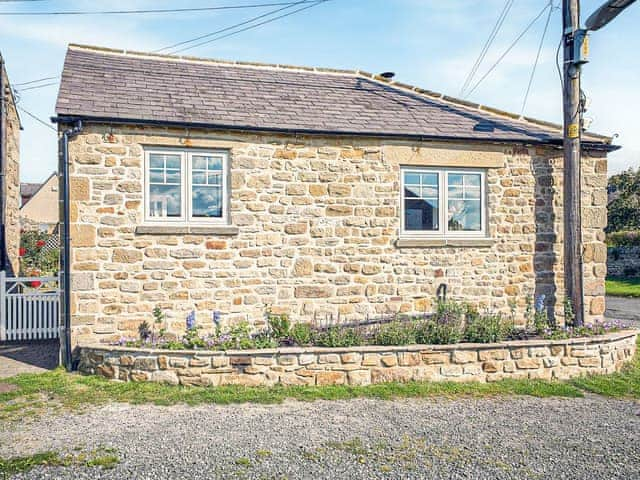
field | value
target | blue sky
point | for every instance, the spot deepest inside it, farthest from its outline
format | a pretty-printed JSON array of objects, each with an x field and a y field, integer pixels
[{"x": 430, "y": 43}]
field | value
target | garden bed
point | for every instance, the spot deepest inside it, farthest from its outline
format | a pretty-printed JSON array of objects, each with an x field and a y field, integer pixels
[{"x": 363, "y": 365}]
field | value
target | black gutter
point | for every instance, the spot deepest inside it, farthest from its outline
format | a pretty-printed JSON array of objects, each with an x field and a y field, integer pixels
[
  {"x": 297, "y": 131},
  {"x": 65, "y": 258},
  {"x": 3, "y": 155}
]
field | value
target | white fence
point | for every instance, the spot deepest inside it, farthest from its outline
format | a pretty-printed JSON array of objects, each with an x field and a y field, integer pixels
[{"x": 29, "y": 308}]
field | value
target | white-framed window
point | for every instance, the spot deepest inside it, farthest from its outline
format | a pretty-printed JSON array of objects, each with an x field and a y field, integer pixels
[
  {"x": 186, "y": 186},
  {"x": 442, "y": 202}
]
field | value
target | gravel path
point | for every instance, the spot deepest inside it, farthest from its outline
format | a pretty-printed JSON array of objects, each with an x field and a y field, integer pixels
[{"x": 506, "y": 438}]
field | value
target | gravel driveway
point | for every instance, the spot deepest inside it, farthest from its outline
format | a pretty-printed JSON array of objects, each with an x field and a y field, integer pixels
[{"x": 513, "y": 438}]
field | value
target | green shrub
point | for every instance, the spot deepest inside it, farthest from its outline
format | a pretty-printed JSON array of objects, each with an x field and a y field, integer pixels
[
  {"x": 488, "y": 328},
  {"x": 337, "y": 336},
  {"x": 447, "y": 324},
  {"x": 302, "y": 334},
  {"x": 395, "y": 333},
  {"x": 280, "y": 325},
  {"x": 264, "y": 340}
]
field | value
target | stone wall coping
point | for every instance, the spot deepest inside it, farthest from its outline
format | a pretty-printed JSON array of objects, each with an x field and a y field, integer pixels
[{"x": 610, "y": 337}]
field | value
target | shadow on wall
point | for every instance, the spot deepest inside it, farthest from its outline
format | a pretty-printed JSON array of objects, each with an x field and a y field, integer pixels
[{"x": 544, "y": 256}]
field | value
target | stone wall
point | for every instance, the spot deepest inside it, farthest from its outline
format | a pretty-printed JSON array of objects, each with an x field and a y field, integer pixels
[
  {"x": 623, "y": 261},
  {"x": 12, "y": 182},
  {"x": 317, "y": 224},
  {"x": 534, "y": 359}
]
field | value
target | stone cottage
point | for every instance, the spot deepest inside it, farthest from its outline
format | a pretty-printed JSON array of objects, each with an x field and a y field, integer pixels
[
  {"x": 39, "y": 210},
  {"x": 9, "y": 176},
  {"x": 237, "y": 187}
]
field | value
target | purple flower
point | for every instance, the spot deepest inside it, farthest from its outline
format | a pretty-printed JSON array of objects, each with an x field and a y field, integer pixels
[
  {"x": 216, "y": 318},
  {"x": 191, "y": 320}
]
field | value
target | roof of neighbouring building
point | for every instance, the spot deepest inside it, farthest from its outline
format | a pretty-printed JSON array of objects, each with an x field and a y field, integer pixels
[
  {"x": 29, "y": 190},
  {"x": 108, "y": 85}
]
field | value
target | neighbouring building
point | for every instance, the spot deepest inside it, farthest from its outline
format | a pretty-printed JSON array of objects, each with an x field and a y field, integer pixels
[
  {"x": 39, "y": 210},
  {"x": 236, "y": 187},
  {"x": 9, "y": 176}
]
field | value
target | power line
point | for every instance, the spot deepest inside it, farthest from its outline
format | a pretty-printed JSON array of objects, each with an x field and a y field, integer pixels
[
  {"x": 39, "y": 120},
  {"x": 535, "y": 64},
  {"x": 36, "y": 81},
  {"x": 36, "y": 86},
  {"x": 513, "y": 44},
  {"x": 271, "y": 12},
  {"x": 251, "y": 26},
  {"x": 147, "y": 11},
  {"x": 485, "y": 48}
]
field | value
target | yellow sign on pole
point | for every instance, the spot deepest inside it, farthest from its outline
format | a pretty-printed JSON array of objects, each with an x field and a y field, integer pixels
[{"x": 573, "y": 130}]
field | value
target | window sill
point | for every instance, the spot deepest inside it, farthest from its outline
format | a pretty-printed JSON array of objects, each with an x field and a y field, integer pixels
[
  {"x": 444, "y": 242},
  {"x": 187, "y": 229}
]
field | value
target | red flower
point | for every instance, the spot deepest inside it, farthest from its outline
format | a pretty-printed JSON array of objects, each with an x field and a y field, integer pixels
[
  {"x": 40, "y": 243},
  {"x": 35, "y": 283},
  {"x": 22, "y": 251}
]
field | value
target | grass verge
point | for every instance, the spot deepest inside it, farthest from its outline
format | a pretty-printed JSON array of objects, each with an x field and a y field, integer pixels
[
  {"x": 101, "y": 457},
  {"x": 623, "y": 287},
  {"x": 58, "y": 390}
]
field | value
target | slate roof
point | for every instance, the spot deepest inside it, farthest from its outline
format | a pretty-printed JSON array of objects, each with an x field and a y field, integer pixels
[
  {"x": 113, "y": 84},
  {"x": 29, "y": 189}
]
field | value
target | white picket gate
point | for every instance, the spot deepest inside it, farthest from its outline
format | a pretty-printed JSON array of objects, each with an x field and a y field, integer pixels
[{"x": 29, "y": 308}]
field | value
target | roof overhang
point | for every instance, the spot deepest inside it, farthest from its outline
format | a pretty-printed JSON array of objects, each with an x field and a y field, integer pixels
[{"x": 557, "y": 143}]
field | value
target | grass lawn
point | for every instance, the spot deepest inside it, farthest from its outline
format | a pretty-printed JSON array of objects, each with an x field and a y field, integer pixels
[
  {"x": 623, "y": 287},
  {"x": 61, "y": 391}
]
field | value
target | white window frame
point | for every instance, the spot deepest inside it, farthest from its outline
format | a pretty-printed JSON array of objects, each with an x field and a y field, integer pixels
[
  {"x": 186, "y": 217},
  {"x": 443, "y": 231}
]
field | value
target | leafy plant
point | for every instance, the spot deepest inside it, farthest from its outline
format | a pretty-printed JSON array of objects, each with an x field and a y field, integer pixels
[
  {"x": 488, "y": 328},
  {"x": 540, "y": 317},
  {"x": 144, "y": 331},
  {"x": 302, "y": 334},
  {"x": 337, "y": 336},
  {"x": 279, "y": 324},
  {"x": 264, "y": 340},
  {"x": 395, "y": 333},
  {"x": 446, "y": 326}
]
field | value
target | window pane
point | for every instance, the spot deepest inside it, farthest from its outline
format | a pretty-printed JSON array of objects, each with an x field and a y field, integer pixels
[
  {"x": 164, "y": 201},
  {"x": 411, "y": 192},
  {"x": 430, "y": 179},
  {"x": 172, "y": 161},
  {"x": 207, "y": 201},
  {"x": 455, "y": 179},
  {"x": 199, "y": 162},
  {"x": 412, "y": 179},
  {"x": 464, "y": 215},
  {"x": 199, "y": 178},
  {"x": 214, "y": 163},
  {"x": 156, "y": 161},
  {"x": 214, "y": 178},
  {"x": 156, "y": 176},
  {"x": 421, "y": 215},
  {"x": 173, "y": 176}
]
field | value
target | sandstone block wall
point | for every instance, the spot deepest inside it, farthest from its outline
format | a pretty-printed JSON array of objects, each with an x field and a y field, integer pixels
[
  {"x": 365, "y": 365},
  {"x": 12, "y": 182},
  {"x": 317, "y": 232}
]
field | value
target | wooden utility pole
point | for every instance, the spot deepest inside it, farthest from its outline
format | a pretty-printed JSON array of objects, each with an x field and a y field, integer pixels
[{"x": 573, "y": 274}]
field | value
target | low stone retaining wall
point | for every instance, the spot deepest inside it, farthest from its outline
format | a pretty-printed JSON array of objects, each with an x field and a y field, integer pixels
[
  {"x": 562, "y": 359},
  {"x": 623, "y": 261}
]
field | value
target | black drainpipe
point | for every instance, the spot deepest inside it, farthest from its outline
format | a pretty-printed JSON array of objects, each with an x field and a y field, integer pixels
[
  {"x": 65, "y": 258},
  {"x": 3, "y": 154}
]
